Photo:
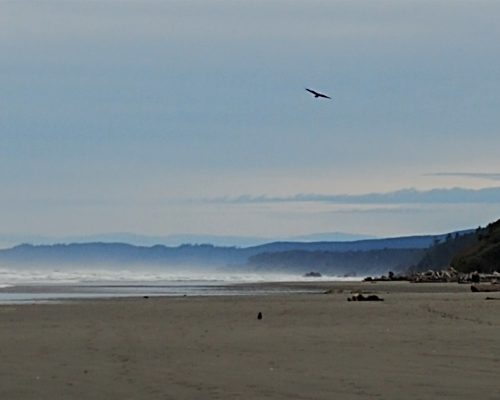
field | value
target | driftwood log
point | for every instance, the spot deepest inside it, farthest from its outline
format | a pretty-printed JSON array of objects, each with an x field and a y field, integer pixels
[
  {"x": 485, "y": 288},
  {"x": 360, "y": 297}
]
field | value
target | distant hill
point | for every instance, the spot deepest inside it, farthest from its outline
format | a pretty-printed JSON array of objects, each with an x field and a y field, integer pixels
[
  {"x": 331, "y": 257},
  {"x": 329, "y": 237},
  {"x": 406, "y": 242},
  {"x": 483, "y": 254},
  {"x": 117, "y": 255},
  {"x": 11, "y": 240}
]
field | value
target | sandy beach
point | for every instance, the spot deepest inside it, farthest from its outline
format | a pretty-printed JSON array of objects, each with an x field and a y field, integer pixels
[{"x": 425, "y": 341}]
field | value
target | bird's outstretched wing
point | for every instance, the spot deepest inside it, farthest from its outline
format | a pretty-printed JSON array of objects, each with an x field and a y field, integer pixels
[{"x": 317, "y": 94}]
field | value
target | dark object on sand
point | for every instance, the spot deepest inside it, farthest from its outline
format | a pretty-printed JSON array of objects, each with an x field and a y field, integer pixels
[
  {"x": 145, "y": 297},
  {"x": 360, "y": 297},
  {"x": 492, "y": 298},
  {"x": 475, "y": 278},
  {"x": 259, "y": 315},
  {"x": 485, "y": 288}
]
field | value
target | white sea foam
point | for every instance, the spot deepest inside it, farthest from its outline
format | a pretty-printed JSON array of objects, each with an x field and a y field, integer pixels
[
  {"x": 9, "y": 277},
  {"x": 31, "y": 286}
]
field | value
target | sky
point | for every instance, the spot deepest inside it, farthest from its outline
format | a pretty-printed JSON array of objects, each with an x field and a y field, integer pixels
[{"x": 171, "y": 117}]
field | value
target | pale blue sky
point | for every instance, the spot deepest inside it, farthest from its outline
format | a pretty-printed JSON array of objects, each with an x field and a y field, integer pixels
[{"x": 152, "y": 117}]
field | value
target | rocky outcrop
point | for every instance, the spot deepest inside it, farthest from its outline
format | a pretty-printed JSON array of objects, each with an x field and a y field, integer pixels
[{"x": 312, "y": 274}]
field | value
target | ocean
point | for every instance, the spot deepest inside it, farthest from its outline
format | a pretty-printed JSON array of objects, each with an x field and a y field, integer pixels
[{"x": 40, "y": 286}]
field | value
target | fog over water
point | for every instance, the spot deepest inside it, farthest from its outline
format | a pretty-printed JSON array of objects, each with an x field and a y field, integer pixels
[
  {"x": 150, "y": 277},
  {"x": 42, "y": 285}
]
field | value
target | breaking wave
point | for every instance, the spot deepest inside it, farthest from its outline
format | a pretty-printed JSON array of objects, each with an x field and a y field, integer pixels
[{"x": 9, "y": 277}]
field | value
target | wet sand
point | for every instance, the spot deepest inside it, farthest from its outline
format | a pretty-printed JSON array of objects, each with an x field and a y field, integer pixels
[{"x": 425, "y": 341}]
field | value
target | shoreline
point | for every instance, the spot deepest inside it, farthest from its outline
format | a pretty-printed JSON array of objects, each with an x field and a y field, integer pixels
[
  {"x": 36, "y": 293},
  {"x": 52, "y": 293}
]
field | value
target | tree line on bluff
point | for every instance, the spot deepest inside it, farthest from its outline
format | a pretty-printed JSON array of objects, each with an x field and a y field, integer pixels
[{"x": 475, "y": 251}]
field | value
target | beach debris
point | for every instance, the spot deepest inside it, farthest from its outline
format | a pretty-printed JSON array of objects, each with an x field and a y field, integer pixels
[
  {"x": 145, "y": 297},
  {"x": 492, "y": 298},
  {"x": 360, "y": 297},
  {"x": 391, "y": 277},
  {"x": 492, "y": 287},
  {"x": 450, "y": 274},
  {"x": 259, "y": 315}
]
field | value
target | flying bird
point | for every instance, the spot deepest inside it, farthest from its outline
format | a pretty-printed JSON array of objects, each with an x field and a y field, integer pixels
[{"x": 317, "y": 94}]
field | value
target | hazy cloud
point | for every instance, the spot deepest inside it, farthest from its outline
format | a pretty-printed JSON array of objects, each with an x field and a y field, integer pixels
[
  {"x": 403, "y": 196},
  {"x": 382, "y": 210},
  {"x": 480, "y": 175}
]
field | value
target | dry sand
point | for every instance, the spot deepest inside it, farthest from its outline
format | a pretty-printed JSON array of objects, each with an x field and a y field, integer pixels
[{"x": 434, "y": 341}]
